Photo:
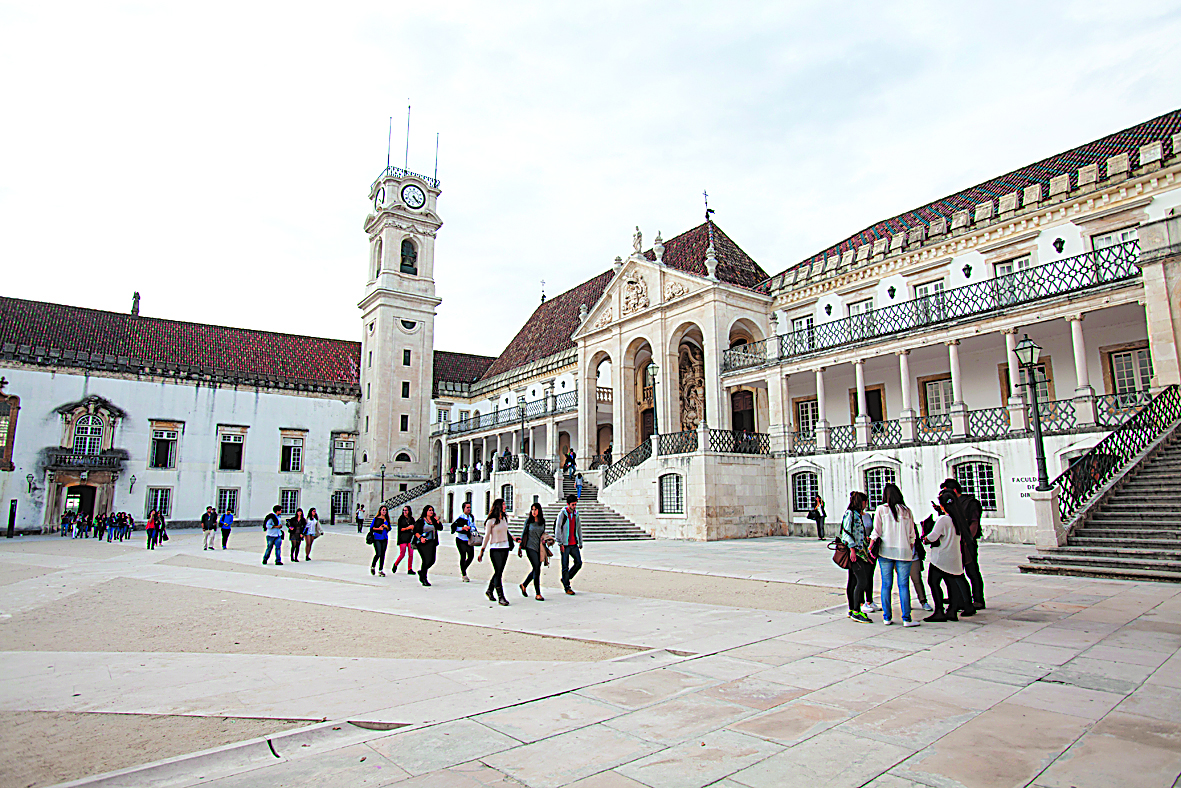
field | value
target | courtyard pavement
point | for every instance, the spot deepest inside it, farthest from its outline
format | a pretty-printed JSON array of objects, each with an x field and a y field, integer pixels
[{"x": 1060, "y": 683}]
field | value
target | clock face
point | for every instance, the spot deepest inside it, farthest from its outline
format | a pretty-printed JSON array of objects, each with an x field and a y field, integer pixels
[
  {"x": 413, "y": 196},
  {"x": 379, "y": 199}
]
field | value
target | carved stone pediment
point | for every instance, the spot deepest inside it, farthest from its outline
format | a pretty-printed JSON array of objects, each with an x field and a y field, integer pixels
[
  {"x": 635, "y": 294},
  {"x": 605, "y": 318},
  {"x": 674, "y": 289}
]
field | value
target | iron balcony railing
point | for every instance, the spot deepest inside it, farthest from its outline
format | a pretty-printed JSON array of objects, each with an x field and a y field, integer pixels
[
  {"x": 989, "y": 423},
  {"x": 738, "y": 442},
  {"x": 618, "y": 470},
  {"x": 677, "y": 442},
  {"x": 842, "y": 438},
  {"x": 1069, "y": 275},
  {"x": 69, "y": 459},
  {"x": 935, "y": 428},
  {"x": 542, "y": 470},
  {"x": 1111, "y": 410},
  {"x": 403, "y": 498},
  {"x": 598, "y": 461},
  {"x": 885, "y": 434},
  {"x": 803, "y": 442},
  {"x": 398, "y": 172},
  {"x": 1091, "y": 472},
  {"x": 559, "y": 403},
  {"x": 509, "y": 463}
]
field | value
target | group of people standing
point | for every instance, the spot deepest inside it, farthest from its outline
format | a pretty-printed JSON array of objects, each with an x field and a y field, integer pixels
[
  {"x": 302, "y": 530},
  {"x": 892, "y": 540},
  {"x": 422, "y": 535},
  {"x": 114, "y": 526}
]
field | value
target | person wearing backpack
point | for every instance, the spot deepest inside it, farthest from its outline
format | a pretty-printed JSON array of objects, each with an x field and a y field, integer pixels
[
  {"x": 465, "y": 532},
  {"x": 274, "y": 531}
]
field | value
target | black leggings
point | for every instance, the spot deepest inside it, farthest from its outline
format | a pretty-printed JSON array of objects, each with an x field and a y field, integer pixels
[
  {"x": 499, "y": 556},
  {"x": 467, "y": 554},
  {"x": 534, "y": 575},
  {"x": 957, "y": 590},
  {"x": 379, "y": 547},
  {"x": 225, "y": 537},
  {"x": 858, "y": 585},
  {"x": 426, "y": 556},
  {"x": 297, "y": 540}
]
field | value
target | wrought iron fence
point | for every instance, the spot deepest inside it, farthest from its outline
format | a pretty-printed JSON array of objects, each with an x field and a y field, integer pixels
[
  {"x": 842, "y": 438},
  {"x": 1091, "y": 472},
  {"x": 1057, "y": 415},
  {"x": 66, "y": 459},
  {"x": 560, "y": 403},
  {"x": 885, "y": 433},
  {"x": 803, "y": 442},
  {"x": 988, "y": 423},
  {"x": 598, "y": 461},
  {"x": 509, "y": 463},
  {"x": 677, "y": 442},
  {"x": 935, "y": 428},
  {"x": 738, "y": 442},
  {"x": 618, "y": 470},
  {"x": 398, "y": 172},
  {"x": 1071, "y": 274},
  {"x": 1111, "y": 410},
  {"x": 542, "y": 470},
  {"x": 406, "y": 496}
]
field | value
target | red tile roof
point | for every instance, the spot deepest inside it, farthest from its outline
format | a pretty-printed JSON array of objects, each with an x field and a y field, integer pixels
[
  {"x": 549, "y": 328},
  {"x": 149, "y": 341},
  {"x": 686, "y": 252},
  {"x": 1160, "y": 129},
  {"x": 459, "y": 367}
]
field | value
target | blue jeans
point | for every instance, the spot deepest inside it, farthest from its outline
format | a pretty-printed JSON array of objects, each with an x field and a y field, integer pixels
[
  {"x": 275, "y": 542},
  {"x": 890, "y": 569}
]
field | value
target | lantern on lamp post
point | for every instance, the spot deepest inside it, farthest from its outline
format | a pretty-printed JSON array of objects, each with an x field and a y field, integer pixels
[{"x": 1028, "y": 352}]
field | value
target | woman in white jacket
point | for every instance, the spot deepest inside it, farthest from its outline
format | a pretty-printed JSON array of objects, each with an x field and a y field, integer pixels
[{"x": 893, "y": 524}]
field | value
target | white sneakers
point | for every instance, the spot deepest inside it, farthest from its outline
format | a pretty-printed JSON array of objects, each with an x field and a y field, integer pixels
[
  {"x": 869, "y": 607},
  {"x": 910, "y": 623}
]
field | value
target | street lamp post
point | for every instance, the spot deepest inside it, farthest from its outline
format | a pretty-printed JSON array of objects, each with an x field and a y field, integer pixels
[
  {"x": 1028, "y": 352},
  {"x": 383, "y": 482},
  {"x": 653, "y": 371},
  {"x": 521, "y": 407}
]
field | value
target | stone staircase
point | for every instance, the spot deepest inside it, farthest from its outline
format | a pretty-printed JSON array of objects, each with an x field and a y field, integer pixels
[
  {"x": 1134, "y": 535},
  {"x": 599, "y": 523}
]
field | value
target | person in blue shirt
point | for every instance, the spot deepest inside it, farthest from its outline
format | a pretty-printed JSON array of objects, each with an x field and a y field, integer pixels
[
  {"x": 380, "y": 530},
  {"x": 227, "y": 522}
]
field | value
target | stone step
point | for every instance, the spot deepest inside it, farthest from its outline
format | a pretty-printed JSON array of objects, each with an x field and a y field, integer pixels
[
  {"x": 1108, "y": 573},
  {"x": 1136, "y": 536},
  {"x": 1062, "y": 556},
  {"x": 1131, "y": 521},
  {"x": 1137, "y": 553},
  {"x": 1101, "y": 542}
]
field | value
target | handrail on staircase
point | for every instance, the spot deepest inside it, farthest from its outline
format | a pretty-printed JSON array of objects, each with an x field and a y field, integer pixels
[
  {"x": 409, "y": 495},
  {"x": 619, "y": 469},
  {"x": 541, "y": 470},
  {"x": 1094, "y": 470}
]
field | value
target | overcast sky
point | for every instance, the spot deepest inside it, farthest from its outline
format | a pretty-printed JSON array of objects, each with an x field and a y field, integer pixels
[{"x": 217, "y": 157}]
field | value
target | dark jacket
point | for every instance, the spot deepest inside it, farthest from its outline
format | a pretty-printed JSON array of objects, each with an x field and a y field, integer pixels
[{"x": 406, "y": 529}]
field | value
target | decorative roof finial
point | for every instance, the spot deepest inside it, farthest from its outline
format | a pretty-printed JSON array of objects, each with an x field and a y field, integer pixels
[
  {"x": 711, "y": 257},
  {"x": 658, "y": 248},
  {"x": 543, "y": 291},
  {"x": 582, "y": 313},
  {"x": 135, "y": 304},
  {"x": 618, "y": 263}
]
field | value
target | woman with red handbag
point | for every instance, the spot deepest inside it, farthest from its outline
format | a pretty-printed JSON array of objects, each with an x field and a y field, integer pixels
[{"x": 859, "y": 562}]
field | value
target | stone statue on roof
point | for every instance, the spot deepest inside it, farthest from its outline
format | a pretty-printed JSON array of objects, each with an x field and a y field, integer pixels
[{"x": 638, "y": 242}]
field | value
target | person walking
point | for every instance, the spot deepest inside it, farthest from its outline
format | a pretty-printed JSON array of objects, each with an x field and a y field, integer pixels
[
  {"x": 379, "y": 536},
  {"x": 426, "y": 535},
  {"x": 852, "y": 535},
  {"x": 360, "y": 516},
  {"x": 161, "y": 528},
  {"x": 295, "y": 527},
  {"x": 969, "y": 512},
  {"x": 818, "y": 515},
  {"x": 498, "y": 542},
  {"x": 274, "y": 531},
  {"x": 465, "y": 532},
  {"x": 405, "y": 537},
  {"x": 894, "y": 533},
  {"x": 311, "y": 532},
  {"x": 533, "y": 544},
  {"x": 150, "y": 527},
  {"x": 208, "y": 527},
  {"x": 568, "y": 531},
  {"x": 578, "y": 486},
  {"x": 946, "y": 562},
  {"x": 227, "y": 524}
]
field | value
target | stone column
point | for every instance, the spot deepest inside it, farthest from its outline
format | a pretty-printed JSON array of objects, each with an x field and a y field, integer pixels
[
  {"x": 776, "y": 413},
  {"x": 821, "y": 412},
  {"x": 623, "y": 398},
  {"x": 861, "y": 423},
  {"x": 906, "y": 420},
  {"x": 1160, "y": 263},
  {"x": 1084, "y": 395},
  {"x": 1016, "y": 402},
  {"x": 959, "y": 410},
  {"x": 588, "y": 411}
]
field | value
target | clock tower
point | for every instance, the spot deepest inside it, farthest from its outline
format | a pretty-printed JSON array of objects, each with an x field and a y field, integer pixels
[{"x": 397, "y": 336}]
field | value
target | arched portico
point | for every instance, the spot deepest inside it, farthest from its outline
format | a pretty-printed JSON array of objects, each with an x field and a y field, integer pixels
[
  {"x": 598, "y": 382},
  {"x": 635, "y": 410},
  {"x": 687, "y": 370}
]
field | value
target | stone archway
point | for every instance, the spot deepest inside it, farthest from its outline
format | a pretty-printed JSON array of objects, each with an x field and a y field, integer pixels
[{"x": 688, "y": 345}]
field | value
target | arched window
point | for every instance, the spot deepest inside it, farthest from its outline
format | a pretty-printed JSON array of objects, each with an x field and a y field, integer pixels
[
  {"x": 979, "y": 479},
  {"x": 672, "y": 494},
  {"x": 88, "y": 435},
  {"x": 402, "y": 457},
  {"x": 805, "y": 486},
  {"x": 376, "y": 258},
  {"x": 506, "y": 492},
  {"x": 875, "y": 480},
  {"x": 409, "y": 257}
]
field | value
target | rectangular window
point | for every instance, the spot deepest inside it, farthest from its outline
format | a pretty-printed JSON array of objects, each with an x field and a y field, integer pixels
[
  {"x": 405, "y": 358},
  {"x": 371, "y": 358},
  {"x": 861, "y": 307},
  {"x": 1113, "y": 239},
  {"x": 227, "y": 500},
  {"x": 404, "y": 423},
  {"x": 1043, "y": 381},
  {"x": 979, "y": 479},
  {"x": 444, "y": 416},
  {"x": 1014, "y": 265},
  {"x": 807, "y": 414},
  {"x": 230, "y": 458},
  {"x": 803, "y": 334},
  {"x": 289, "y": 500},
  {"x": 929, "y": 301},
  {"x": 487, "y": 502},
  {"x": 368, "y": 391},
  {"x": 506, "y": 492},
  {"x": 937, "y": 395},
  {"x": 405, "y": 389},
  {"x": 402, "y": 487},
  {"x": 342, "y": 455},
  {"x": 861, "y": 320},
  {"x": 292, "y": 459},
  {"x": 159, "y": 500},
  {"x": 366, "y": 424},
  {"x": 163, "y": 453},
  {"x": 342, "y": 503},
  {"x": 803, "y": 323},
  {"x": 464, "y": 415},
  {"x": 5, "y": 409},
  {"x": 805, "y": 486},
  {"x": 672, "y": 494},
  {"x": 1131, "y": 371}
]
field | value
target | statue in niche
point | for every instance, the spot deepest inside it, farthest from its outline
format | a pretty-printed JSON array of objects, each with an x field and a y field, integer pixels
[
  {"x": 635, "y": 294},
  {"x": 692, "y": 369}
]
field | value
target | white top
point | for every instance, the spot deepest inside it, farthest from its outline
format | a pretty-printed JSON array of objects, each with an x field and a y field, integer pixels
[
  {"x": 497, "y": 534},
  {"x": 946, "y": 556},
  {"x": 897, "y": 534},
  {"x": 313, "y": 528}
]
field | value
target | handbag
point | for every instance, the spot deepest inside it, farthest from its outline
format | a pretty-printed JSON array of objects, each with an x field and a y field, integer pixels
[
  {"x": 813, "y": 515},
  {"x": 369, "y": 538},
  {"x": 841, "y": 556}
]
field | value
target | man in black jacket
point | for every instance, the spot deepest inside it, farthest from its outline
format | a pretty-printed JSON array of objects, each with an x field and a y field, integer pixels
[
  {"x": 209, "y": 526},
  {"x": 969, "y": 512}
]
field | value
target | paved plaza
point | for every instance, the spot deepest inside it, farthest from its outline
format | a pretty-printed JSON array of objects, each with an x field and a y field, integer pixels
[{"x": 1060, "y": 683}]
